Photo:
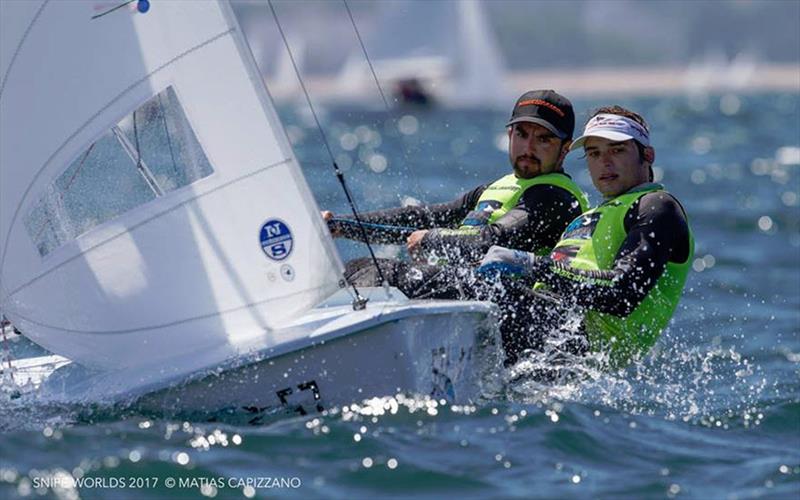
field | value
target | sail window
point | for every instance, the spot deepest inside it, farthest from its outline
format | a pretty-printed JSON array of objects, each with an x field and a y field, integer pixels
[{"x": 148, "y": 154}]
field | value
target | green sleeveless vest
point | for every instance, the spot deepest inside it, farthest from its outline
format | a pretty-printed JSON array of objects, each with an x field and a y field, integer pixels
[
  {"x": 591, "y": 242},
  {"x": 503, "y": 194}
]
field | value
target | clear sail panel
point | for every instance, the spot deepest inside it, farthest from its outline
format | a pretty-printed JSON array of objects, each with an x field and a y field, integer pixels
[
  {"x": 167, "y": 142},
  {"x": 148, "y": 154}
]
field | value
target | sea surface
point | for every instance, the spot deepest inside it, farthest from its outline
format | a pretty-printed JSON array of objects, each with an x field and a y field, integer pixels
[{"x": 713, "y": 412}]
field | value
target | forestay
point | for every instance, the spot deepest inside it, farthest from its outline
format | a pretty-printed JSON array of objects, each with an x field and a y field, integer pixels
[{"x": 150, "y": 204}]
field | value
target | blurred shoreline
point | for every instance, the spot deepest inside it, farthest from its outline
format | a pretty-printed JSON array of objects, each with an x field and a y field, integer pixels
[
  {"x": 590, "y": 82},
  {"x": 643, "y": 81}
]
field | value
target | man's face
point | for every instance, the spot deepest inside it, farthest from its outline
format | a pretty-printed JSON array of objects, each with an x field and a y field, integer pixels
[
  {"x": 533, "y": 150},
  {"x": 616, "y": 167}
]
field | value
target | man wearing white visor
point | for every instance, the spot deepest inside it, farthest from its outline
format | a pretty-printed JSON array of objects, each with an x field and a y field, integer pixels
[{"x": 622, "y": 265}]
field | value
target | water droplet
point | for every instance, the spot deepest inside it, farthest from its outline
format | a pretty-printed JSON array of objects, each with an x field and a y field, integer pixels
[
  {"x": 658, "y": 174},
  {"x": 408, "y": 125},
  {"x": 208, "y": 490},
  {"x": 378, "y": 163},
  {"x": 363, "y": 133},
  {"x": 765, "y": 223},
  {"x": 344, "y": 161},
  {"x": 760, "y": 166},
  {"x": 701, "y": 145},
  {"x": 698, "y": 176},
  {"x": 788, "y": 155},
  {"x": 730, "y": 104},
  {"x": 501, "y": 142},
  {"x": 348, "y": 141},
  {"x": 789, "y": 198}
]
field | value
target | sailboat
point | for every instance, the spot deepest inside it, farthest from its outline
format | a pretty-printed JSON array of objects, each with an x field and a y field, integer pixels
[
  {"x": 446, "y": 49},
  {"x": 158, "y": 237}
]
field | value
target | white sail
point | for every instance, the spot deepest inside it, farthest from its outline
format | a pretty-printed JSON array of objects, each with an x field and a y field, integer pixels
[
  {"x": 482, "y": 74},
  {"x": 149, "y": 199}
]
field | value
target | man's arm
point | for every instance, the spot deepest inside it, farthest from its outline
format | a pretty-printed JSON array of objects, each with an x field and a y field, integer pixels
[
  {"x": 537, "y": 220},
  {"x": 657, "y": 233},
  {"x": 395, "y": 224}
]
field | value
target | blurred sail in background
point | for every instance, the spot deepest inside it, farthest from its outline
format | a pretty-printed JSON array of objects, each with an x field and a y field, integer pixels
[{"x": 453, "y": 58}]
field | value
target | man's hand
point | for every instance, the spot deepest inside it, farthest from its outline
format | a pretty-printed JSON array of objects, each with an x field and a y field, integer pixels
[
  {"x": 414, "y": 241},
  {"x": 507, "y": 262},
  {"x": 327, "y": 215}
]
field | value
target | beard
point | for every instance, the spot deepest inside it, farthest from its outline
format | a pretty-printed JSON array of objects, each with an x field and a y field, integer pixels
[{"x": 534, "y": 166}]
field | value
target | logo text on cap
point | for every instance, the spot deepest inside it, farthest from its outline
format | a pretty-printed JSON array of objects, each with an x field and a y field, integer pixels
[{"x": 539, "y": 102}]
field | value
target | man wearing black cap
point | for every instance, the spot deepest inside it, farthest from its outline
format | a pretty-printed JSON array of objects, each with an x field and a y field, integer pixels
[{"x": 527, "y": 209}]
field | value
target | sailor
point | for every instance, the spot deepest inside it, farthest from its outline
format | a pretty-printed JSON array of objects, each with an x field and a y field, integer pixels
[
  {"x": 527, "y": 209},
  {"x": 620, "y": 268}
]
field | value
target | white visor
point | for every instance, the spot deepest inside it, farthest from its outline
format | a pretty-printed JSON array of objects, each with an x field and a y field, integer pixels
[{"x": 614, "y": 128}]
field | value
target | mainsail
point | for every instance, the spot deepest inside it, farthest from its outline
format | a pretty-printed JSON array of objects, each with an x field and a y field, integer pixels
[{"x": 149, "y": 199}]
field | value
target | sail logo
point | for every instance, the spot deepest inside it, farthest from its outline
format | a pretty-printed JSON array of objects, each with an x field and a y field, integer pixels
[{"x": 276, "y": 239}]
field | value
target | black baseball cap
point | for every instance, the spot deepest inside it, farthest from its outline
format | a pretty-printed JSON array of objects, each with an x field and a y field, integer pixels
[{"x": 547, "y": 108}]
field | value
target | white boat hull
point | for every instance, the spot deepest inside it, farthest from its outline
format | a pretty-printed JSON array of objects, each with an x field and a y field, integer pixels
[
  {"x": 432, "y": 355},
  {"x": 436, "y": 348}
]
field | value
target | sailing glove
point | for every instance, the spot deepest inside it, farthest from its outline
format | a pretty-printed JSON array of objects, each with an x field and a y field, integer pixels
[{"x": 500, "y": 261}]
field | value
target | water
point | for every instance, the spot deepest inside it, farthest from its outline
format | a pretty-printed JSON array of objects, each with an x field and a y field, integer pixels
[{"x": 714, "y": 412}]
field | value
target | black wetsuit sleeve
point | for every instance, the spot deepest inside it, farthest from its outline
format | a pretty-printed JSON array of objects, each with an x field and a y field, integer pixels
[
  {"x": 540, "y": 216},
  {"x": 395, "y": 224},
  {"x": 658, "y": 232}
]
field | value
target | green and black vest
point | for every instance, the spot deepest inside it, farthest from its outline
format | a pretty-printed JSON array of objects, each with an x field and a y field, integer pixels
[
  {"x": 591, "y": 242},
  {"x": 503, "y": 194}
]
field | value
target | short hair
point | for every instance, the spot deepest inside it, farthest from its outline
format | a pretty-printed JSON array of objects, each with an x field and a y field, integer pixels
[{"x": 627, "y": 113}]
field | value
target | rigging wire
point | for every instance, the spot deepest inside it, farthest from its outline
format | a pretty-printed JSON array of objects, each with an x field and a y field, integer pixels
[
  {"x": 109, "y": 11},
  {"x": 143, "y": 169},
  {"x": 3, "y": 322},
  {"x": 394, "y": 120},
  {"x": 386, "y": 105},
  {"x": 366, "y": 56},
  {"x": 141, "y": 5},
  {"x": 359, "y": 302},
  {"x": 379, "y": 227},
  {"x": 163, "y": 110}
]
